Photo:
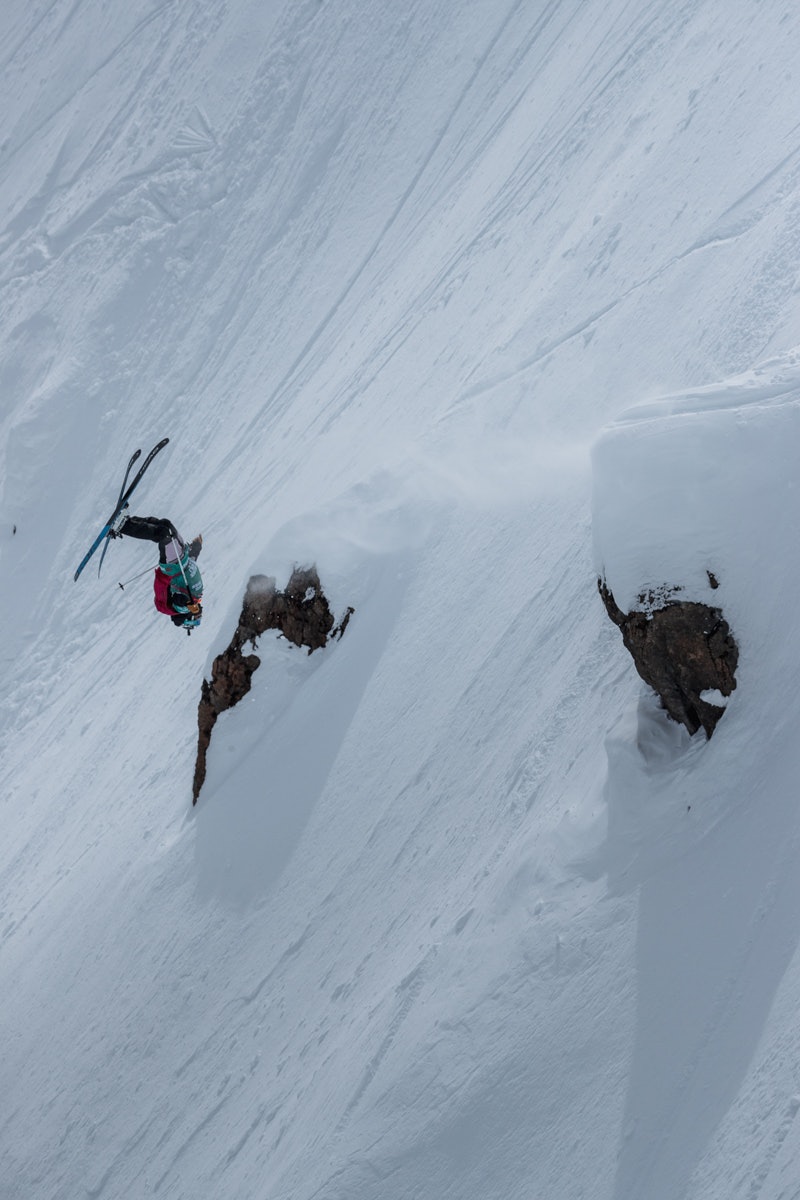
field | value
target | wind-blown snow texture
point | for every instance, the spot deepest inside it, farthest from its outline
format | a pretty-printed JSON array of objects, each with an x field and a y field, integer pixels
[{"x": 459, "y": 914}]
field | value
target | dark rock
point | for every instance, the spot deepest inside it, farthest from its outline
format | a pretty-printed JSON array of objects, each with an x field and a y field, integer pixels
[
  {"x": 301, "y": 614},
  {"x": 345, "y": 621},
  {"x": 681, "y": 649}
]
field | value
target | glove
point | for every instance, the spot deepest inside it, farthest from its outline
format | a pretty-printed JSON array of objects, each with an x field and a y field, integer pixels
[{"x": 195, "y": 608}]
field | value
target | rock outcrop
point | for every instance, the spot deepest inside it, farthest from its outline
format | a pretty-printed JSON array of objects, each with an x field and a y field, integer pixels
[
  {"x": 301, "y": 613},
  {"x": 682, "y": 649}
]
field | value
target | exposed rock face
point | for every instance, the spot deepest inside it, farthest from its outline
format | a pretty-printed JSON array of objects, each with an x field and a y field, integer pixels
[
  {"x": 681, "y": 649},
  {"x": 301, "y": 613}
]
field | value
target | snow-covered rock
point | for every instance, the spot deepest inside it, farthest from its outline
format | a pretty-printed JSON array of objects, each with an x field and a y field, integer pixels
[{"x": 684, "y": 650}]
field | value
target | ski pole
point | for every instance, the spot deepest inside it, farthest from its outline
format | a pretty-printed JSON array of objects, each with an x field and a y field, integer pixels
[
  {"x": 139, "y": 576},
  {"x": 180, "y": 564}
]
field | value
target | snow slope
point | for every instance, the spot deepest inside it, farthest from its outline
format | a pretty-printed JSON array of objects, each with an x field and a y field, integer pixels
[
  {"x": 458, "y": 914},
  {"x": 711, "y": 833}
]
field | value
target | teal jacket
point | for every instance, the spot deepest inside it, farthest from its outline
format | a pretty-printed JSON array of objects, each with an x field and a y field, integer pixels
[{"x": 186, "y": 582}]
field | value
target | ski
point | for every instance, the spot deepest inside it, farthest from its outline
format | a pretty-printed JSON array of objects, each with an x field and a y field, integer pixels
[
  {"x": 137, "y": 477},
  {"x": 131, "y": 461},
  {"x": 125, "y": 493},
  {"x": 120, "y": 505}
]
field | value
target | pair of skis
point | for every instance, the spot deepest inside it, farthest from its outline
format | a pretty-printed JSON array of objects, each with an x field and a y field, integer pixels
[{"x": 125, "y": 493}]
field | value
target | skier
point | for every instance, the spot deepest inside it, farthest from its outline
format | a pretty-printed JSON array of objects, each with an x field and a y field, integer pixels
[{"x": 178, "y": 584}]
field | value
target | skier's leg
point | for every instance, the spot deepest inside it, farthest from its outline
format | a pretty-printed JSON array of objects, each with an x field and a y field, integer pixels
[
  {"x": 171, "y": 546},
  {"x": 156, "y": 529},
  {"x": 148, "y": 529}
]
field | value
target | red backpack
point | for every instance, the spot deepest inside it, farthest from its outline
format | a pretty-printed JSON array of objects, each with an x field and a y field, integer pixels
[{"x": 161, "y": 584}]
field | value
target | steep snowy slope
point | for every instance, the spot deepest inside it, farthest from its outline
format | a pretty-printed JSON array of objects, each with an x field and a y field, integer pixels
[
  {"x": 382, "y": 275},
  {"x": 698, "y": 482}
]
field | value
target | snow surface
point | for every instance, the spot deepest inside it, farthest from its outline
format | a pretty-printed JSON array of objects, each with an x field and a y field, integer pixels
[{"x": 460, "y": 914}]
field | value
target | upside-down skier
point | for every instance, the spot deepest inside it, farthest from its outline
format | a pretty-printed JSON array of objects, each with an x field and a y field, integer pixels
[{"x": 178, "y": 584}]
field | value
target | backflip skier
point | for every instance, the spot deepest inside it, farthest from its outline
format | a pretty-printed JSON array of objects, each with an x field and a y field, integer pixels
[{"x": 178, "y": 584}]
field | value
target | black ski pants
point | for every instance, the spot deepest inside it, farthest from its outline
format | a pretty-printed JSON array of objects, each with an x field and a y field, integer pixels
[{"x": 153, "y": 529}]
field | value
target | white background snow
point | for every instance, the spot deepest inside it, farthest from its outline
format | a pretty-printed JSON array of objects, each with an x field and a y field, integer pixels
[{"x": 460, "y": 915}]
